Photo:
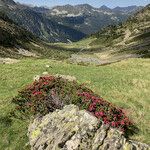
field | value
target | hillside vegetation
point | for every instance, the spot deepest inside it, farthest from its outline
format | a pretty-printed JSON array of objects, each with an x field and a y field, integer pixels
[
  {"x": 12, "y": 34},
  {"x": 16, "y": 42},
  {"x": 115, "y": 43},
  {"x": 131, "y": 37}
]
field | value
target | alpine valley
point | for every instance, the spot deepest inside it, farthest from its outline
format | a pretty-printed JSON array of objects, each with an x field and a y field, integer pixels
[
  {"x": 74, "y": 77},
  {"x": 64, "y": 23}
]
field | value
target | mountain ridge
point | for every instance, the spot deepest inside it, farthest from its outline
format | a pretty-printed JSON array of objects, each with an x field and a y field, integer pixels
[
  {"x": 38, "y": 24},
  {"x": 63, "y": 23},
  {"x": 133, "y": 36},
  {"x": 87, "y": 18}
]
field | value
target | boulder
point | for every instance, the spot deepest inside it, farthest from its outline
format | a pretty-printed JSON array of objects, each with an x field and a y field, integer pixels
[
  {"x": 74, "y": 129},
  {"x": 67, "y": 77}
]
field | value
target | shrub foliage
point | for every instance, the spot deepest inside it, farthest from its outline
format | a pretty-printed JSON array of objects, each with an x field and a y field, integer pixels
[{"x": 50, "y": 93}]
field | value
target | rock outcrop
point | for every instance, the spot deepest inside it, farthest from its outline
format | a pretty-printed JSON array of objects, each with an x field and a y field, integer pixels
[{"x": 74, "y": 129}]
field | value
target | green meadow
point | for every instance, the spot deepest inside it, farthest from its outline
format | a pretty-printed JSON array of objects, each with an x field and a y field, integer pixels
[{"x": 126, "y": 84}]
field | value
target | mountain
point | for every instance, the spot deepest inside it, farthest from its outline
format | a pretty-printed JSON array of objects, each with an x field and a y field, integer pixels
[
  {"x": 7, "y": 3},
  {"x": 105, "y": 8},
  {"x": 39, "y": 24},
  {"x": 64, "y": 23},
  {"x": 88, "y": 19},
  {"x": 132, "y": 37}
]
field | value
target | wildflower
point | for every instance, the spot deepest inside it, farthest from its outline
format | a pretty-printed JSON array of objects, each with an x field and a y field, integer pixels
[
  {"x": 45, "y": 83},
  {"x": 101, "y": 114},
  {"x": 37, "y": 93},
  {"x": 122, "y": 122},
  {"x": 91, "y": 107}
]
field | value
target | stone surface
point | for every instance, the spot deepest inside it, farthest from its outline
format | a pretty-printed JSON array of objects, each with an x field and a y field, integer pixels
[
  {"x": 8, "y": 61},
  {"x": 74, "y": 129},
  {"x": 67, "y": 77}
]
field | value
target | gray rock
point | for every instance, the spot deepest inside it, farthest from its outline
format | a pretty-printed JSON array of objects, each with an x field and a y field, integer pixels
[{"x": 74, "y": 129}]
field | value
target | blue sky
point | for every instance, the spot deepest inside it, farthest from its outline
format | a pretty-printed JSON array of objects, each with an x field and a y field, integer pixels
[{"x": 96, "y": 3}]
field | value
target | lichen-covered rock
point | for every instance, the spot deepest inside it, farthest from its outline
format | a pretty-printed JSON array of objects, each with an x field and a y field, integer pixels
[
  {"x": 74, "y": 129},
  {"x": 67, "y": 77}
]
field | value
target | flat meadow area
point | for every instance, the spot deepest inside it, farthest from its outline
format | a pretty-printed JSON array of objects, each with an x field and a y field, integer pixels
[{"x": 126, "y": 84}]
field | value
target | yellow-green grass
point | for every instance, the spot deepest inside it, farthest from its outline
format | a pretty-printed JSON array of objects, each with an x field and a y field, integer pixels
[
  {"x": 126, "y": 84},
  {"x": 85, "y": 43}
]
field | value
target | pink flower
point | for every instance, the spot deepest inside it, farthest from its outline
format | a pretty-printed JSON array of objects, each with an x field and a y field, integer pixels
[
  {"x": 113, "y": 124},
  {"x": 87, "y": 95},
  {"x": 122, "y": 122},
  {"x": 45, "y": 83},
  {"x": 37, "y": 93},
  {"x": 97, "y": 114},
  {"x": 91, "y": 107},
  {"x": 106, "y": 122},
  {"x": 101, "y": 113}
]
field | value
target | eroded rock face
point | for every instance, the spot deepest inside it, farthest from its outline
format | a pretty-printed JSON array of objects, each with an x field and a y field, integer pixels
[{"x": 74, "y": 129}]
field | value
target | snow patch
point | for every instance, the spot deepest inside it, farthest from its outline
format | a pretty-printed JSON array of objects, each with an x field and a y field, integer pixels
[
  {"x": 58, "y": 12},
  {"x": 74, "y": 15},
  {"x": 114, "y": 18},
  {"x": 101, "y": 11}
]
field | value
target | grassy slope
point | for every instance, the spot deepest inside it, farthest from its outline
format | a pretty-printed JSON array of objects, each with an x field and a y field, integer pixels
[
  {"x": 132, "y": 37},
  {"x": 127, "y": 84}
]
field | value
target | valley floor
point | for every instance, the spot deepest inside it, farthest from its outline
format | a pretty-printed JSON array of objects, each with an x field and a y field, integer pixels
[{"x": 125, "y": 83}]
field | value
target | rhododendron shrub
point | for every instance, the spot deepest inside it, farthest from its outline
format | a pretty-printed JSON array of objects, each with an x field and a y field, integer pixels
[
  {"x": 47, "y": 94},
  {"x": 50, "y": 93},
  {"x": 104, "y": 110}
]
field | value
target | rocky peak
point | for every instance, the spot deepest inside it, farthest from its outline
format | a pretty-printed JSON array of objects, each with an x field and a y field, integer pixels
[
  {"x": 84, "y": 6},
  {"x": 7, "y": 2},
  {"x": 105, "y": 8}
]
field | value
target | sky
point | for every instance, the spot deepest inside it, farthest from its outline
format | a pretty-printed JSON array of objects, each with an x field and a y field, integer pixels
[{"x": 95, "y": 3}]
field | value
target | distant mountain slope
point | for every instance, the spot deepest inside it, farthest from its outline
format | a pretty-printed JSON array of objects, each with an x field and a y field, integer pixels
[
  {"x": 16, "y": 42},
  {"x": 39, "y": 24},
  {"x": 13, "y": 39},
  {"x": 116, "y": 43},
  {"x": 86, "y": 18},
  {"x": 133, "y": 36},
  {"x": 129, "y": 9},
  {"x": 11, "y": 34}
]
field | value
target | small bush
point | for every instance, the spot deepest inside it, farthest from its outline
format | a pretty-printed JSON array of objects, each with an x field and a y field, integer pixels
[
  {"x": 50, "y": 93},
  {"x": 104, "y": 110}
]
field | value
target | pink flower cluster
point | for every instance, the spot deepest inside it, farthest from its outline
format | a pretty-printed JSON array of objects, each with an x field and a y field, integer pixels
[{"x": 105, "y": 111}]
